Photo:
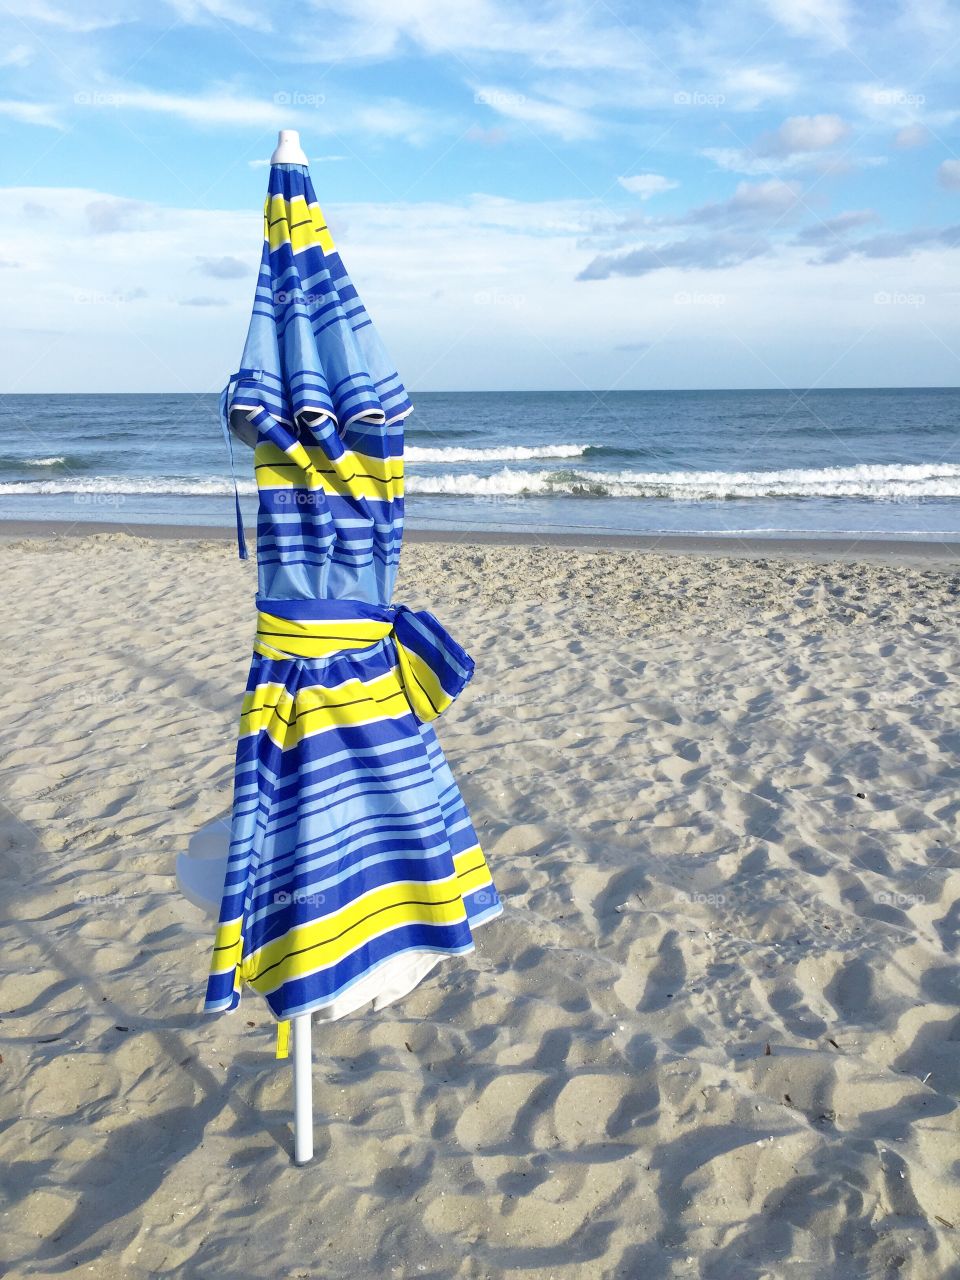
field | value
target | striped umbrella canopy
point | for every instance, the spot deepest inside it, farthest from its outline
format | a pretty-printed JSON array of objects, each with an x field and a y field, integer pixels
[{"x": 353, "y": 865}]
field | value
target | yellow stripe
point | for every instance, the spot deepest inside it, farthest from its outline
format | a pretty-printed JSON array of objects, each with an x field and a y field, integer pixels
[
  {"x": 227, "y": 947},
  {"x": 295, "y": 223},
  {"x": 472, "y": 870},
  {"x": 467, "y": 859},
  {"x": 314, "y": 946},
  {"x": 316, "y": 709},
  {"x": 478, "y": 878},
  {"x": 297, "y": 454},
  {"x": 262, "y": 705},
  {"x": 428, "y": 698},
  {"x": 283, "y": 1039},
  {"x": 313, "y": 639},
  {"x": 336, "y": 936},
  {"x": 267, "y": 454},
  {"x": 269, "y": 706},
  {"x": 351, "y": 475},
  {"x": 352, "y": 486}
]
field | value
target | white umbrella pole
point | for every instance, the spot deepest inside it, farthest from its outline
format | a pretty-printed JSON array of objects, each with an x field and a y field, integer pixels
[{"x": 302, "y": 1090}]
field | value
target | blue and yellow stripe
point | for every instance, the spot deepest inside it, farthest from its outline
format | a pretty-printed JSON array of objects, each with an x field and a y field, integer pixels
[
  {"x": 352, "y": 852},
  {"x": 364, "y": 848}
]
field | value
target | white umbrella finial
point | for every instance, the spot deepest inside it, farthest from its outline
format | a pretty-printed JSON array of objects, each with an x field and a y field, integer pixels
[{"x": 288, "y": 149}]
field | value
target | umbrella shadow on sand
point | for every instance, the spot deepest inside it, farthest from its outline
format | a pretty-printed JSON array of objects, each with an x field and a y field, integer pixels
[
  {"x": 133, "y": 1159},
  {"x": 167, "y": 1138}
]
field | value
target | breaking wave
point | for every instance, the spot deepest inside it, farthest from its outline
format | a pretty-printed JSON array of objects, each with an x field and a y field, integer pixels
[
  {"x": 130, "y": 486},
  {"x": 881, "y": 482},
  {"x": 505, "y": 453}
]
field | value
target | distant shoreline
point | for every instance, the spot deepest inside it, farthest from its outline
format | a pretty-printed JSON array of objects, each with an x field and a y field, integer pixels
[{"x": 891, "y": 550}]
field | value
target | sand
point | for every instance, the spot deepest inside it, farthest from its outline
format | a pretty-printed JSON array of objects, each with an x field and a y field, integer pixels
[{"x": 714, "y": 1034}]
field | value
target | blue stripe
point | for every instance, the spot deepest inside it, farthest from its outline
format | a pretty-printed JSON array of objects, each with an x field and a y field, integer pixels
[{"x": 321, "y": 821}]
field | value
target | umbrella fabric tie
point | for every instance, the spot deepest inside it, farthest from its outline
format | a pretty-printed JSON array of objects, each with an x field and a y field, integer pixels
[
  {"x": 225, "y": 427},
  {"x": 433, "y": 668},
  {"x": 303, "y": 921}
]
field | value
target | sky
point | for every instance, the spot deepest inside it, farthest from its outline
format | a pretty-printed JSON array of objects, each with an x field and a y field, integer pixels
[{"x": 762, "y": 193}]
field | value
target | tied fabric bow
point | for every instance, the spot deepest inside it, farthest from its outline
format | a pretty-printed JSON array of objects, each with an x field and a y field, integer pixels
[{"x": 434, "y": 669}]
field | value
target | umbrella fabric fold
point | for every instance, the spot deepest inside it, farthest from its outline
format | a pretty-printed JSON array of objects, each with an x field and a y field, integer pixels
[{"x": 354, "y": 866}]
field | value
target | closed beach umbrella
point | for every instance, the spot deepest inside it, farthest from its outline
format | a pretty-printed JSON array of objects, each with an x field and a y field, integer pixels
[{"x": 353, "y": 865}]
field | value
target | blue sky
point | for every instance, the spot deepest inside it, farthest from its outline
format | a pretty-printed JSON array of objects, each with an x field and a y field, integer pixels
[{"x": 760, "y": 193}]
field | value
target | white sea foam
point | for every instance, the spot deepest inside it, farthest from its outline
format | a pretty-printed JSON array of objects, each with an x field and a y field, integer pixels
[
  {"x": 890, "y": 482},
  {"x": 505, "y": 453},
  {"x": 43, "y": 462},
  {"x": 130, "y": 486}
]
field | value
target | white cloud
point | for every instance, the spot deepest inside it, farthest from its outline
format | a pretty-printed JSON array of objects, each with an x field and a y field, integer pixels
[
  {"x": 796, "y": 144},
  {"x": 18, "y": 55},
  {"x": 483, "y": 246},
  {"x": 887, "y": 245},
  {"x": 212, "y": 11},
  {"x": 386, "y": 118},
  {"x": 774, "y": 196},
  {"x": 912, "y": 135},
  {"x": 892, "y": 106},
  {"x": 736, "y": 160},
  {"x": 381, "y": 118},
  {"x": 560, "y": 36},
  {"x": 38, "y": 113},
  {"x": 710, "y": 253},
  {"x": 470, "y": 294},
  {"x": 836, "y": 227},
  {"x": 801, "y": 134},
  {"x": 538, "y": 114},
  {"x": 820, "y": 19},
  {"x": 949, "y": 175},
  {"x": 202, "y": 301},
  {"x": 936, "y": 15},
  {"x": 751, "y": 87},
  {"x": 711, "y": 236},
  {"x": 109, "y": 216},
  {"x": 203, "y": 109},
  {"x": 113, "y": 13},
  {"x": 224, "y": 267},
  {"x": 646, "y": 185}
]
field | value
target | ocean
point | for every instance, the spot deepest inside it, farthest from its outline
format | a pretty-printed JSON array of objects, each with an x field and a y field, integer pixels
[{"x": 867, "y": 463}]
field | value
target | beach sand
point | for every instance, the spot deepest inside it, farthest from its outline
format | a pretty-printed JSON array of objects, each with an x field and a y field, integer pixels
[{"x": 714, "y": 1034}]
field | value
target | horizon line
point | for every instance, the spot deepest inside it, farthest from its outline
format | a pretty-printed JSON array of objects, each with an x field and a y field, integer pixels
[{"x": 539, "y": 391}]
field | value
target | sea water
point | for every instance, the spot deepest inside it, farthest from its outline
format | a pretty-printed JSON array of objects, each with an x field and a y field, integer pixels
[{"x": 881, "y": 463}]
